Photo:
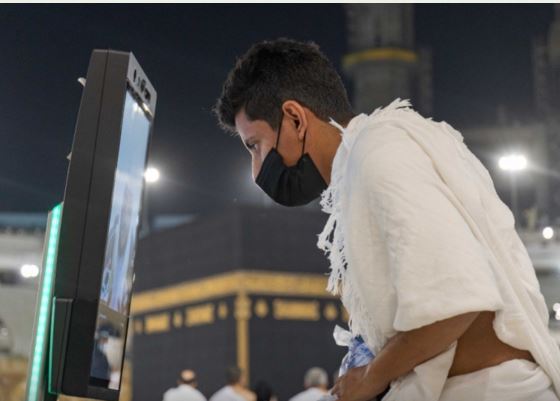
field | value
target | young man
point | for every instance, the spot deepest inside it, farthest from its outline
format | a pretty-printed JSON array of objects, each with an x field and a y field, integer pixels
[
  {"x": 235, "y": 389},
  {"x": 316, "y": 383},
  {"x": 423, "y": 252},
  {"x": 186, "y": 389}
]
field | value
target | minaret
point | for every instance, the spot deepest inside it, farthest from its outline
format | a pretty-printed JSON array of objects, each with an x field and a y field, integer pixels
[
  {"x": 546, "y": 64},
  {"x": 383, "y": 62},
  {"x": 553, "y": 50},
  {"x": 554, "y": 37},
  {"x": 554, "y": 106},
  {"x": 546, "y": 74}
]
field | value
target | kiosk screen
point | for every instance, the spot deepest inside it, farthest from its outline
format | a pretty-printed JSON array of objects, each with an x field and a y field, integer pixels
[{"x": 116, "y": 285}]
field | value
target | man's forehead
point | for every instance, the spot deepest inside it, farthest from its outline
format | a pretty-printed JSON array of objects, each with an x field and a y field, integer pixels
[{"x": 247, "y": 128}]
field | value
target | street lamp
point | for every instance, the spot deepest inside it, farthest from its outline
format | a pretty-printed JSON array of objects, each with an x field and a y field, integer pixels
[
  {"x": 151, "y": 175},
  {"x": 29, "y": 271},
  {"x": 513, "y": 163},
  {"x": 548, "y": 233}
]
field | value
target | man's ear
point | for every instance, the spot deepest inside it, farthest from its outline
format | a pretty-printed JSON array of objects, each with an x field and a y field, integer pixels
[{"x": 297, "y": 116}]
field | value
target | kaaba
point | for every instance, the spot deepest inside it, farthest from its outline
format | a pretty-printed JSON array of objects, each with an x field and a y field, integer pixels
[{"x": 244, "y": 287}]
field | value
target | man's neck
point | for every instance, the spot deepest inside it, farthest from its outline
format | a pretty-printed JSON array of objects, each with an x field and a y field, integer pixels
[{"x": 330, "y": 141}]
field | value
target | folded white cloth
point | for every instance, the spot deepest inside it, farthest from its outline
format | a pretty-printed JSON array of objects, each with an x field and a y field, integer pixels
[
  {"x": 515, "y": 380},
  {"x": 418, "y": 234}
]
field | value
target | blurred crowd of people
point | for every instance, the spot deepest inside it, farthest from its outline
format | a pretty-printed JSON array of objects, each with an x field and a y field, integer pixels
[{"x": 315, "y": 386}]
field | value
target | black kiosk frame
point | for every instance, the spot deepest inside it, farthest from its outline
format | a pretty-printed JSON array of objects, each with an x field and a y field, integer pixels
[{"x": 85, "y": 311}]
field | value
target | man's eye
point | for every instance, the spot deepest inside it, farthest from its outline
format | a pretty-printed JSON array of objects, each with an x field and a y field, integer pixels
[{"x": 251, "y": 146}]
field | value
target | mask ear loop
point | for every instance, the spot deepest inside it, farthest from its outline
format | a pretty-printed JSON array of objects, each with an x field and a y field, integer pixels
[
  {"x": 303, "y": 147},
  {"x": 279, "y": 130},
  {"x": 278, "y": 138}
]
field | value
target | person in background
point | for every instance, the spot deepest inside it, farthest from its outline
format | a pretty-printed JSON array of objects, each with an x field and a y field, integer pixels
[
  {"x": 316, "y": 383},
  {"x": 186, "y": 389},
  {"x": 264, "y": 392},
  {"x": 235, "y": 389},
  {"x": 100, "y": 367}
]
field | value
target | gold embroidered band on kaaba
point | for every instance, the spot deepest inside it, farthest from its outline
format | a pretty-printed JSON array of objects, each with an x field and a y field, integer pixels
[{"x": 201, "y": 302}]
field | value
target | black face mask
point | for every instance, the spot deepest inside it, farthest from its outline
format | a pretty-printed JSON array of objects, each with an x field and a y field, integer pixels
[{"x": 290, "y": 186}]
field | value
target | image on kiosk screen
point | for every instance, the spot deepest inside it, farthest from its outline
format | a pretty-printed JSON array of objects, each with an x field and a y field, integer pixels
[{"x": 116, "y": 283}]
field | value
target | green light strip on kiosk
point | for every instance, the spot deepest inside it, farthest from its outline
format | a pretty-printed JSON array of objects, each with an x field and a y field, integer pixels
[{"x": 44, "y": 304}]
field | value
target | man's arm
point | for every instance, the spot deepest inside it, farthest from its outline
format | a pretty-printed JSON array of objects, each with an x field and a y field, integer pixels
[
  {"x": 408, "y": 349},
  {"x": 400, "y": 355}
]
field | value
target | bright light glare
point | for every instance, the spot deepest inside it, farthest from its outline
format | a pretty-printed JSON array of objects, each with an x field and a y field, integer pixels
[
  {"x": 548, "y": 232},
  {"x": 29, "y": 271},
  {"x": 136, "y": 108},
  {"x": 556, "y": 307},
  {"x": 151, "y": 175},
  {"x": 513, "y": 162}
]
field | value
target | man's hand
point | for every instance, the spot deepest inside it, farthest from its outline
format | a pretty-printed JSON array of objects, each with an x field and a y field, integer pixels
[
  {"x": 357, "y": 385},
  {"x": 399, "y": 356}
]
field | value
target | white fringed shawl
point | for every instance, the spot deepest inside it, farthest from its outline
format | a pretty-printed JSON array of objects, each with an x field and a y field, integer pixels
[{"x": 393, "y": 286}]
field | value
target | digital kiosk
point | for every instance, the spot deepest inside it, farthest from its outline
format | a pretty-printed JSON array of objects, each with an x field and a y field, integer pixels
[{"x": 88, "y": 269}]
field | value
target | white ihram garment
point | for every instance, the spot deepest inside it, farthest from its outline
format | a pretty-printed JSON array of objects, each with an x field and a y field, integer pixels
[
  {"x": 311, "y": 394},
  {"x": 183, "y": 392},
  {"x": 417, "y": 234},
  {"x": 514, "y": 380},
  {"x": 227, "y": 393}
]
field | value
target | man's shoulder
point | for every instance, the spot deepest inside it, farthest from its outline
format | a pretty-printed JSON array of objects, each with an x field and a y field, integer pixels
[
  {"x": 378, "y": 150},
  {"x": 299, "y": 396},
  {"x": 379, "y": 133},
  {"x": 218, "y": 395},
  {"x": 296, "y": 397},
  {"x": 194, "y": 393},
  {"x": 311, "y": 394},
  {"x": 169, "y": 394},
  {"x": 227, "y": 393}
]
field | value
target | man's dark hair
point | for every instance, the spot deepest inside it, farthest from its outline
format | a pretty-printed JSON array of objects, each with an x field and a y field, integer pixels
[
  {"x": 187, "y": 381},
  {"x": 272, "y": 72},
  {"x": 233, "y": 375},
  {"x": 263, "y": 391}
]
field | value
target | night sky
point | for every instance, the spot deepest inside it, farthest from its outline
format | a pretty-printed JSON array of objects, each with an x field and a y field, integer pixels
[{"x": 482, "y": 57}]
